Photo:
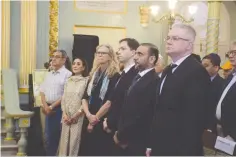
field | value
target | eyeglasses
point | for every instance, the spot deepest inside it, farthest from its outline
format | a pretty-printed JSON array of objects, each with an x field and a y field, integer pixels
[
  {"x": 233, "y": 53},
  {"x": 102, "y": 53},
  {"x": 57, "y": 57},
  {"x": 175, "y": 38}
]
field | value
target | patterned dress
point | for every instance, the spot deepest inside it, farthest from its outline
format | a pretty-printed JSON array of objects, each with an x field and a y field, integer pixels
[{"x": 71, "y": 103}]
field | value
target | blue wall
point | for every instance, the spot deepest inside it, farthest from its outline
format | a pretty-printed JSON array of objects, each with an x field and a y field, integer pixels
[
  {"x": 42, "y": 33},
  {"x": 15, "y": 35}
]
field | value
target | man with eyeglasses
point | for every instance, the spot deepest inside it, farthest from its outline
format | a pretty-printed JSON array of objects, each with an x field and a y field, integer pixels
[
  {"x": 226, "y": 107},
  {"x": 51, "y": 92},
  {"x": 181, "y": 99}
]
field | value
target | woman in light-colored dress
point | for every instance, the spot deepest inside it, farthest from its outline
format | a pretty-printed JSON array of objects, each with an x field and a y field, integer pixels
[{"x": 73, "y": 116}]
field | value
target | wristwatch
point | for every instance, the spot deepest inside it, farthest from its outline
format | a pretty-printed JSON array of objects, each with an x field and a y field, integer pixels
[
  {"x": 81, "y": 110},
  {"x": 50, "y": 107}
]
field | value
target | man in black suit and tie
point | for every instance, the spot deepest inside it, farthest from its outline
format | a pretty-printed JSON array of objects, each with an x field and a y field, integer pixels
[
  {"x": 212, "y": 64},
  {"x": 125, "y": 53},
  {"x": 226, "y": 107},
  {"x": 182, "y": 98},
  {"x": 137, "y": 111}
]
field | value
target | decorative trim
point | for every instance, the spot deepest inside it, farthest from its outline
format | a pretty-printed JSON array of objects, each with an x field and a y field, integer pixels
[
  {"x": 101, "y": 11},
  {"x": 9, "y": 139},
  {"x": 21, "y": 154},
  {"x": 53, "y": 30},
  {"x": 23, "y": 90},
  {"x": 212, "y": 39},
  {"x": 105, "y": 27}
]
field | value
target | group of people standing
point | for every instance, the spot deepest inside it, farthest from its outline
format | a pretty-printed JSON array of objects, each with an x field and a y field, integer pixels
[{"x": 136, "y": 111}]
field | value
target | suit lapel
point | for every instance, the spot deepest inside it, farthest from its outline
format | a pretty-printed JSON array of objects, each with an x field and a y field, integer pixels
[
  {"x": 131, "y": 70},
  {"x": 232, "y": 87},
  {"x": 181, "y": 71},
  {"x": 143, "y": 80},
  {"x": 185, "y": 67}
]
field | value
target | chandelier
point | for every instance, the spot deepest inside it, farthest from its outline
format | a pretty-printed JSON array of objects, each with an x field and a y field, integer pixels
[{"x": 171, "y": 16}]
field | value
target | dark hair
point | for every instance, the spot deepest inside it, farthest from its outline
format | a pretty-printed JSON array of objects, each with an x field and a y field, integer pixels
[
  {"x": 197, "y": 57},
  {"x": 68, "y": 64},
  {"x": 46, "y": 65},
  {"x": 63, "y": 52},
  {"x": 214, "y": 58},
  {"x": 152, "y": 49},
  {"x": 84, "y": 63},
  {"x": 64, "y": 55},
  {"x": 132, "y": 43}
]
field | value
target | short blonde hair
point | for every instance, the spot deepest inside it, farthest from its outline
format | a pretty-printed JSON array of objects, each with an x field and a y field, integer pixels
[
  {"x": 113, "y": 66},
  {"x": 191, "y": 31}
]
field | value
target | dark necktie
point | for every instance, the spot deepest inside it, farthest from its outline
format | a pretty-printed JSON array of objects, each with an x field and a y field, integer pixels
[
  {"x": 135, "y": 80},
  {"x": 168, "y": 74},
  {"x": 121, "y": 76},
  {"x": 169, "y": 69}
]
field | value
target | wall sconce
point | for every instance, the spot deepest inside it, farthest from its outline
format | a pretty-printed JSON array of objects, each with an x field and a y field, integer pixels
[{"x": 144, "y": 15}]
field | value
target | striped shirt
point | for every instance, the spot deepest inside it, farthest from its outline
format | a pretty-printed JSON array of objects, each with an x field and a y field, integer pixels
[{"x": 53, "y": 85}]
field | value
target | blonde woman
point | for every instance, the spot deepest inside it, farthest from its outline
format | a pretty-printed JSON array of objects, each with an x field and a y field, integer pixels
[
  {"x": 104, "y": 75},
  {"x": 72, "y": 117}
]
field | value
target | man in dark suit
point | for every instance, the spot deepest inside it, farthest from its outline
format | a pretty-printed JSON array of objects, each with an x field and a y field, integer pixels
[
  {"x": 125, "y": 53},
  {"x": 226, "y": 107},
  {"x": 137, "y": 111},
  {"x": 212, "y": 64},
  {"x": 182, "y": 96}
]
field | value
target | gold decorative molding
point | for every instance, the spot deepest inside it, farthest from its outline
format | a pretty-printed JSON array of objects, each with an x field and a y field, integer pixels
[
  {"x": 103, "y": 33},
  {"x": 28, "y": 42},
  {"x": 213, "y": 22},
  {"x": 105, "y": 27},
  {"x": 53, "y": 31},
  {"x": 5, "y": 41},
  {"x": 23, "y": 90}
]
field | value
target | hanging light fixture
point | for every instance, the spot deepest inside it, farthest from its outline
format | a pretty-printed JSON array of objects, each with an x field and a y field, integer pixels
[{"x": 153, "y": 11}]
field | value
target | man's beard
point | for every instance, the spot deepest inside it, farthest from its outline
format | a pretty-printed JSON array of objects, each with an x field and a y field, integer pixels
[{"x": 139, "y": 68}]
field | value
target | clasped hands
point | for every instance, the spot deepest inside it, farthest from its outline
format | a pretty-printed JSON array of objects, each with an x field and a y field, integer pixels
[
  {"x": 73, "y": 120},
  {"x": 93, "y": 120}
]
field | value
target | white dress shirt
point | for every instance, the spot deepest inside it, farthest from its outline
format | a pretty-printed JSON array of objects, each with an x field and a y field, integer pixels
[
  {"x": 178, "y": 62},
  {"x": 218, "y": 109},
  {"x": 126, "y": 69},
  {"x": 212, "y": 78},
  {"x": 144, "y": 72},
  {"x": 53, "y": 85}
]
